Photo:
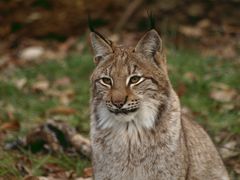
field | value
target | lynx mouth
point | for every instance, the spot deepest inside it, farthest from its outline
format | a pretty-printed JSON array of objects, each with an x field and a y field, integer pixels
[{"x": 123, "y": 111}]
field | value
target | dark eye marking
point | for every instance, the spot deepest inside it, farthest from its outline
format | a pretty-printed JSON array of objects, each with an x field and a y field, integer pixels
[{"x": 134, "y": 69}]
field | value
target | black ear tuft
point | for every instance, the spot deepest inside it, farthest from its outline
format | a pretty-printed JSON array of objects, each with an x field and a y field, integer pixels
[
  {"x": 91, "y": 27},
  {"x": 90, "y": 24},
  {"x": 151, "y": 20}
]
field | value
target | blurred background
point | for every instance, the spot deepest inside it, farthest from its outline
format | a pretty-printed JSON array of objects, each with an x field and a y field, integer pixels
[{"x": 46, "y": 62}]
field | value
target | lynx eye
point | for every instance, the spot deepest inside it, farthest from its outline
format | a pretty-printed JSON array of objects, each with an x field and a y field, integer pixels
[
  {"x": 106, "y": 81},
  {"x": 134, "y": 79}
]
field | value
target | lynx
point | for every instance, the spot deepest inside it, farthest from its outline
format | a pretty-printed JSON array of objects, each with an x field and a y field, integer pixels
[{"x": 137, "y": 129}]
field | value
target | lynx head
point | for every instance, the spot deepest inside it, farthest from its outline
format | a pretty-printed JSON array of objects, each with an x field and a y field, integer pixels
[{"x": 129, "y": 85}]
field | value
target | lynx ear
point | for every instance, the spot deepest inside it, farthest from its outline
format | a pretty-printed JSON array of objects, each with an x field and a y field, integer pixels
[
  {"x": 149, "y": 44},
  {"x": 100, "y": 46}
]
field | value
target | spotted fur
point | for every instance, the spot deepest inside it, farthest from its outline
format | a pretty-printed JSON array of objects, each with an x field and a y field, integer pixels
[{"x": 137, "y": 130}]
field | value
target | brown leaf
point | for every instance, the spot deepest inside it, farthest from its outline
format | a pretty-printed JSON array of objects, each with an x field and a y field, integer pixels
[
  {"x": 181, "y": 89},
  {"x": 64, "y": 47},
  {"x": 10, "y": 126},
  {"x": 229, "y": 150},
  {"x": 20, "y": 83},
  {"x": 191, "y": 31},
  {"x": 236, "y": 168},
  {"x": 48, "y": 178},
  {"x": 41, "y": 85},
  {"x": 9, "y": 177},
  {"x": 55, "y": 171},
  {"x": 65, "y": 97},
  {"x": 22, "y": 168},
  {"x": 222, "y": 92},
  {"x": 64, "y": 81},
  {"x": 10, "y": 109},
  {"x": 32, "y": 53},
  {"x": 88, "y": 172},
  {"x": 190, "y": 76},
  {"x": 31, "y": 178},
  {"x": 227, "y": 107},
  {"x": 204, "y": 23},
  {"x": 195, "y": 9},
  {"x": 52, "y": 168},
  {"x": 62, "y": 110}
]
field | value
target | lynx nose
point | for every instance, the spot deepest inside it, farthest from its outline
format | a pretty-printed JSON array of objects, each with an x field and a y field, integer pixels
[{"x": 119, "y": 102}]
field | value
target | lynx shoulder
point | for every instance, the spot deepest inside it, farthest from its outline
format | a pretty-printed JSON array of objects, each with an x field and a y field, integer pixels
[{"x": 137, "y": 130}]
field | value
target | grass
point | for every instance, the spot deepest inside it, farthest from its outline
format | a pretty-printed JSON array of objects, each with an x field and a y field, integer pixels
[
  {"x": 207, "y": 71},
  {"x": 31, "y": 108}
]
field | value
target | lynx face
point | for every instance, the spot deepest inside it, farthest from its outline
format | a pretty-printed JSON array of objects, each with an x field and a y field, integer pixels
[{"x": 130, "y": 85}]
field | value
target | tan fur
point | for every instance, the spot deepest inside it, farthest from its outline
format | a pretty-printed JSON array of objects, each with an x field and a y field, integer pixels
[{"x": 137, "y": 130}]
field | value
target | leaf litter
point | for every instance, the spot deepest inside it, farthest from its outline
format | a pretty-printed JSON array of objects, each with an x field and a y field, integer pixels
[{"x": 53, "y": 136}]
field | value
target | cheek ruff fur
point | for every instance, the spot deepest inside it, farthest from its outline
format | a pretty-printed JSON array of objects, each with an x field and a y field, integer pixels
[{"x": 144, "y": 117}]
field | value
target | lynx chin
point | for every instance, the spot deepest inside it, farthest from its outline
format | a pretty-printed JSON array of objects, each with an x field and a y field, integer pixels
[{"x": 137, "y": 129}]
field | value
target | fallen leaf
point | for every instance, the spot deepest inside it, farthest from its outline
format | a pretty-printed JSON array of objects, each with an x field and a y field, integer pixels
[
  {"x": 65, "y": 96},
  {"x": 236, "y": 168},
  {"x": 223, "y": 94},
  {"x": 88, "y": 172},
  {"x": 22, "y": 168},
  {"x": 10, "y": 109},
  {"x": 190, "y": 76},
  {"x": 64, "y": 81},
  {"x": 52, "y": 168},
  {"x": 229, "y": 150},
  {"x": 32, "y": 53},
  {"x": 191, "y": 31},
  {"x": 227, "y": 107},
  {"x": 55, "y": 171},
  {"x": 48, "y": 178},
  {"x": 41, "y": 85},
  {"x": 62, "y": 110},
  {"x": 10, "y": 114},
  {"x": 9, "y": 177},
  {"x": 10, "y": 126},
  {"x": 204, "y": 23},
  {"x": 195, "y": 9},
  {"x": 217, "y": 85},
  {"x": 31, "y": 178},
  {"x": 64, "y": 47},
  {"x": 181, "y": 89},
  {"x": 20, "y": 83}
]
